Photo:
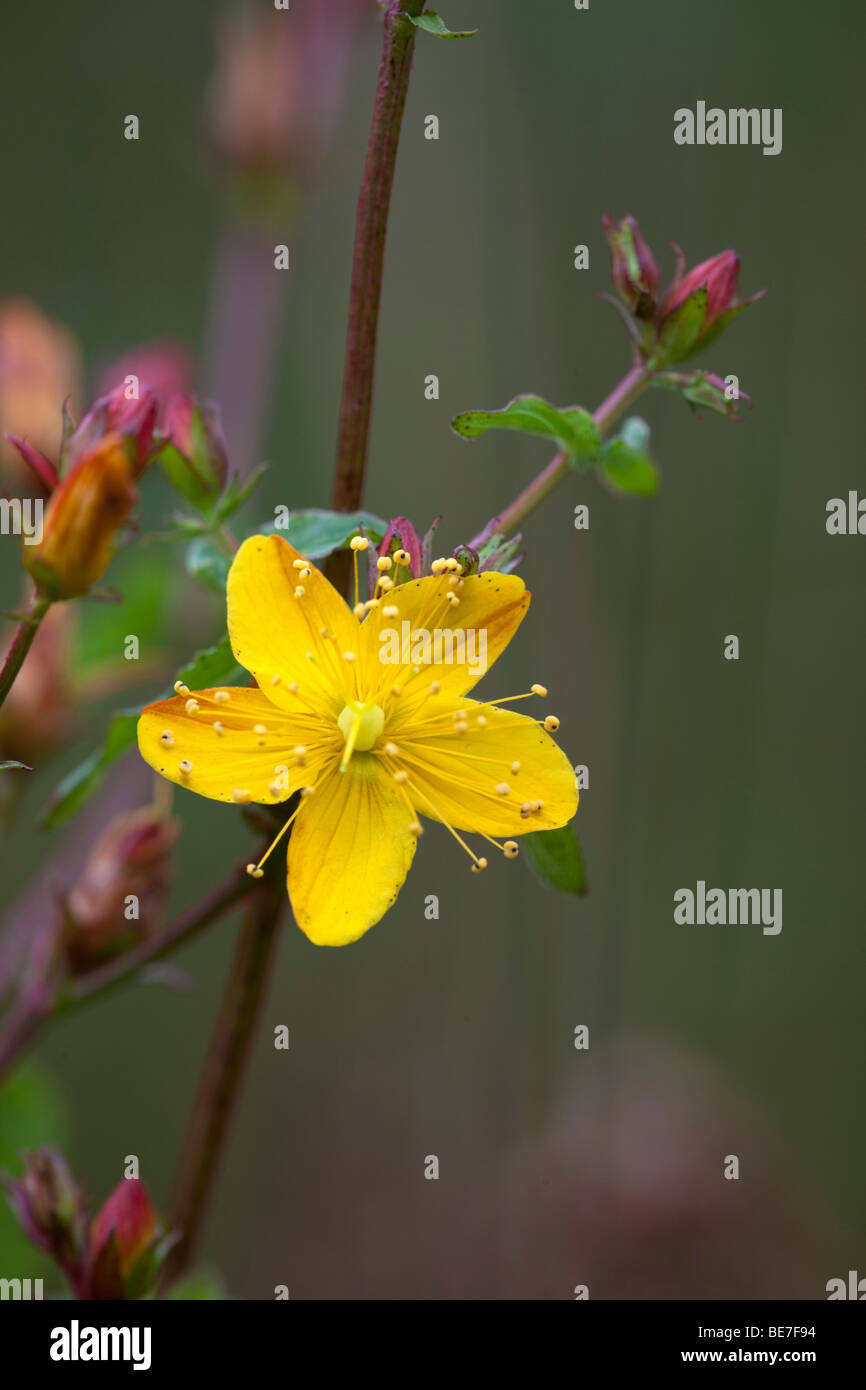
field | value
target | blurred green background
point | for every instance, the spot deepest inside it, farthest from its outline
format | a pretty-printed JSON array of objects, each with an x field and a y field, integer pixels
[{"x": 455, "y": 1037}]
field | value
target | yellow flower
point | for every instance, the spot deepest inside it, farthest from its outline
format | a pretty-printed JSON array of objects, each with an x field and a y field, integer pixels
[{"x": 370, "y": 745}]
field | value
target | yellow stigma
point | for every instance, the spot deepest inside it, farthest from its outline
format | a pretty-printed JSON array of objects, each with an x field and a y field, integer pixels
[{"x": 360, "y": 726}]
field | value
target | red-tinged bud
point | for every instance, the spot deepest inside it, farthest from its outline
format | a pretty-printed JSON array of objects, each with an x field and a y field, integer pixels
[
  {"x": 401, "y": 535},
  {"x": 122, "y": 888},
  {"x": 36, "y": 716},
  {"x": 195, "y": 456},
  {"x": 39, "y": 369},
  {"x": 718, "y": 276},
  {"x": 123, "y": 1241},
  {"x": 80, "y": 522},
  {"x": 129, "y": 411},
  {"x": 51, "y": 1209},
  {"x": 635, "y": 273},
  {"x": 165, "y": 368}
]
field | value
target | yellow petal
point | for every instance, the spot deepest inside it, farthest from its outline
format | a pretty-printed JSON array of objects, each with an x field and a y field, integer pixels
[
  {"x": 455, "y": 777},
  {"x": 272, "y": 630},
  {"x": 490, "y": 609},
  {"x": 349, "y": 853},
  {"x": 238, "y": 759}
]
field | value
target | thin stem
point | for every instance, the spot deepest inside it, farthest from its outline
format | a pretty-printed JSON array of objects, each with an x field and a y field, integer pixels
[
  {"x": 370, "y": 231},
  {"x": 559, "y": 467},
  {"x": 52, "y": 998},
  {"x": 21, "y": 643},
  {"x": 227, "y": 1055}
]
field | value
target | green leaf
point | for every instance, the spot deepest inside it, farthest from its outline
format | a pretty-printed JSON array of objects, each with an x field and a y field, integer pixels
[
  {"x": 572, "y": 428},
  {"x": 681, "y": 331},
  {"x": 555, "y": 857},
  {"x": 316, "y": 534},
  {"x": 200, "y": 1286},
  {"x": 214, "y": 666},
  {"x": 6, "y": 767},
  {"x": 207, "y": 561},
  {"x": 432, "y": 24},
  {"x": 236, "y": 493},
  {"x": 702, "y": 390},
  {"x": 627, "y": 463},
  {"x": 79, "y": 784}
]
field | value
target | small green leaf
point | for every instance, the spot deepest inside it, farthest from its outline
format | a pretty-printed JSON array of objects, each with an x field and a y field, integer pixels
[
  {"x": 207, "y": 561},
  {"x": 432, "y": 24},
  {"x": 214, "y": 666},
  {"x": 681, "y": 332},
  {"x": 626, "y": 461},
  {"x": 555, "y": 857},
  {"x": 316, "y": 534},
  {"x": 6, "y": 767},
  {"x": 236, "y": 493},
  {"x": 573, "y": 428}
]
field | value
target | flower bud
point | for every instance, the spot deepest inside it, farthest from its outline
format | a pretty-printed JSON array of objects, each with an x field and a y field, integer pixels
[
  {"x": 80, "y": 522},
  {"x": 51, "y": 1209},
  {"x": 123, "y": 1243},
  {"x": 718, "y": 276},
  {"x": 401, "y": 535},
  {"x": 195, "y": 456},
  {"x": 635, "y": 273},
  {"x": 122, "y": 888},
  {"x": 129, "y": 411},
  {"x": 165, "y": 368},
  {"x": 39, "y": 369}
]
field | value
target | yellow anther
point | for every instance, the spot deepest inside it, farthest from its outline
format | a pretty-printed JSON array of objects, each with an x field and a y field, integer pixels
[
  {"x": 307, "y": 791},
  {"x": 167, "y": 737},
  {"x": 254, "y": 872},
  {"x": 392, "y": 750},
  {"x": 551, "y": 723},
  {"x": 293, "y": 687},
  {"x": 435, "y": 687},
  {"x": 192, "y": 706},
  {"x": 402, "y": 558},
  {"x": 305, "y": 572},
  {"x": 349, "y": 656},
  {"x": 221, "y": 697},
  {"x": 276, "y": 789},
  {"x": 372, "y": 603},
  {"x": 515, "y": 768},
  {"x": 416, "y": 828},
  {"x": 359, "y": 610},
  {"x": 184, "y": 767},
  {"x": 276, "y": 678},
  {"x": 385, "y": 583},
  {"x": 300, "y": 754},
  {"x": 241, "y": 796},
  {"x": 452, "y": 599},
  {"x": 511, "y": 849},
  {"x": 218, "y": 728},
  {"x": 481, "y": 721},
  {"x": 323, "y": 632},
  {"x": 525, "y": 809},
  {"x": 180, "y": 688},
  {"x": 453, "y": 564},
  {"x": 384, "y": 563},
  {"x": 479, "y": 865},
  {"x": 300, "y": 591},
  {"x": 390, "y": 611},
  {"x": 539, "y": 690},
  {"x": 460, "y": 726},
  {"x": 359, "y": 543},
  {"x": 503, "y": 789},
  {"x": 438, "y": 566},
  {"x": 259, "y": 729},
  {"x": 401, "y": 777},
  {"x": 299, "y": 564}
]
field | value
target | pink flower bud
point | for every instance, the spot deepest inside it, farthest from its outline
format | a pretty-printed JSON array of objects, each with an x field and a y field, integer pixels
[
  {"x": 124, "y": 1233},
  {"x": 633, "y": 265},
  {"x": 130, "y": 411},
  {"x": 718, "y": 276},
  {"x": 51, "y": 1210}
]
